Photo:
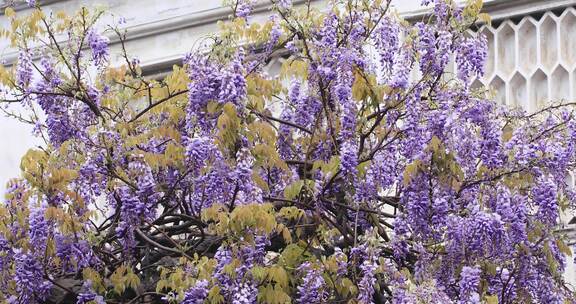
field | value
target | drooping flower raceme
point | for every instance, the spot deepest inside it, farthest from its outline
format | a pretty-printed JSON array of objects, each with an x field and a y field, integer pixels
[
  {"x": 311, "y": 290},
  {"x": 98, "y": 46},
  {"x": 469, "y": 284}
]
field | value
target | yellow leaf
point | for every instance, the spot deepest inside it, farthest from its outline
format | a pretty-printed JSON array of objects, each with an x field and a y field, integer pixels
[
  {"x": 279, "y": 275},
  {"x": 484, "y": 17},
  {"x": 260, "y": 182},
  {"x": 61, "y": 15},
  {"x": 410, "y": 171},
  {"x": 161, "y": 285},
  {"x": 212, "y": 107},
  {"x": 565, "y": 249},
  {"x": 287, "y": 235},
  {"x": 280, "y": 297},
  {"x": 491, "y": 299},
  {"x": 294, "y": 67},
  {"x": 9, "y": 12},
  {"x": 259, "y": 273},
  {"x": 132, "y": 280},
  {"x": 491, "y": 268},
  {"x": 507, "y": 133},
  {"x": 359, "y": 89},
  {"x": 214, "y": 295},
  {"x": 434, "y": 144},
  {"x": 118, "y": 279},
  {"x": 346, "y": 287},
  {"x": 318, "y": 164}
]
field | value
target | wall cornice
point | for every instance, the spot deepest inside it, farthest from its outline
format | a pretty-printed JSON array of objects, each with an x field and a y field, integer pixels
[
  {"x": 503, "y": 9},
  {"x": 187, "y": 19}
]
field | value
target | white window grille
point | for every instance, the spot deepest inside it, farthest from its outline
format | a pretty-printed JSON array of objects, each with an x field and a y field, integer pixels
[{"x": 532, "y": 62}]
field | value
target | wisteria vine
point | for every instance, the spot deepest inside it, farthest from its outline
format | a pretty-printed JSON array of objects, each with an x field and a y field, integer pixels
[{"x": 362, "y": 172}]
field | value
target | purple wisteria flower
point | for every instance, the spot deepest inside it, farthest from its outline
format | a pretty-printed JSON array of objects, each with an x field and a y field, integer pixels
[
  {"x": 311, "y": 290},
  {"x": 469, "y": 284},
  {"x": 197, "y": 294},
  {"x": 99, "y": 47}
]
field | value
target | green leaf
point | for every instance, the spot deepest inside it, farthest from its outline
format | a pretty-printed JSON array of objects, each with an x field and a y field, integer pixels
[
  {"x": 332, "y": 166},
  {"x": 259, "y": 273},
  {"x": 318, "y": 165},
  {"x": 291, "y": 213},
  {"x": 292, "y": 190},
  {"x": 292, "y": 255}
]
